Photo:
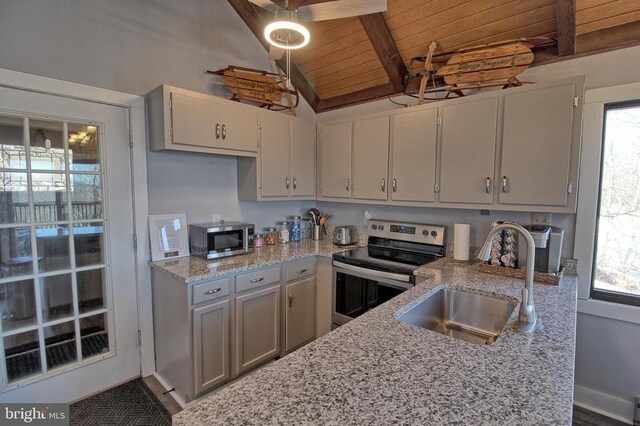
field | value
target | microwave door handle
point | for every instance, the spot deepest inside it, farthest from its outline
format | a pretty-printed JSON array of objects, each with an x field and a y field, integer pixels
[{"x": 245, "y": 242}]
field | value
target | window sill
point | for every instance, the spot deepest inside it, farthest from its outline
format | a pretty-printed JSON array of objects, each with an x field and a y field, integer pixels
[{"x": 609, "y": 310}]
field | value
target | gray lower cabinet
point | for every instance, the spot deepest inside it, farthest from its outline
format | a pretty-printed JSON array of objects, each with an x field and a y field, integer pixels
[
  {"x": 300, "y": 314},
  {"x": 257, "y": 337},
  {"x": 211, "y": 345}
]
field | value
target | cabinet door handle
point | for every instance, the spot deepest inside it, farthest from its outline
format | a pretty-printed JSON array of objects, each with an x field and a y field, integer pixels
[
  {"x": 224, "y": 131},
  {"x": 295, "y": 183},
  {"x": 394, "y": 185},
  {"x": 290, "y": 300},
  {"x": 504, "y": 184},
  {"x": 383, "y": 184},
  {"x": 286, "y": 182},
  {"x": 301, "y": 271},
  {"x": 346, "y": 184},
  {"x": 257, "y": 280},
  {"x": 215, "y": 290},
  {"x": 217, "y": 131},
  {"x": 487, "y": 186}
]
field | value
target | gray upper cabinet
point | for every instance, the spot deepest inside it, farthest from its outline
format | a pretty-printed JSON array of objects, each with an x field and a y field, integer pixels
[
  {"x": 335, "y": 160},
  {"x": 539, "y": 140},
  {"x": 183, "y": 120},
  {"x": 413, "y": 155},
  {"x": 300, "y": 314},
  {"x": 303, "y": 159},
  {"x": 468, "y": 151},
  {"x": 211, "y": 345},
  {"x": 370, "y": 158},
  {"x": 274, "y": 156}
]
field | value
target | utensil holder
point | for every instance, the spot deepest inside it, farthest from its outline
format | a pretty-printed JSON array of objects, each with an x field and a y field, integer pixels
[{"x": 317, "y": 233}]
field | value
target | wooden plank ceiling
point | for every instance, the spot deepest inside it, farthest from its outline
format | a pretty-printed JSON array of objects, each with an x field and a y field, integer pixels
[{"x": 355, "y": 60}]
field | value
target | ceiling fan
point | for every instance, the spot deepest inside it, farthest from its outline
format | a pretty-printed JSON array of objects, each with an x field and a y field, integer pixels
[{"x": 286, "y": 33}]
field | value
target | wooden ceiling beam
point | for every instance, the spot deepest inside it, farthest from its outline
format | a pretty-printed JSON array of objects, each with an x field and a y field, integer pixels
[
  {"x": 566, "y": 26},
  {"x": 385, "y": 47},
  {"x": 255, "y": 22},
  {"x": 357, "y": 97},
  {"x": 613, "y": 38}
]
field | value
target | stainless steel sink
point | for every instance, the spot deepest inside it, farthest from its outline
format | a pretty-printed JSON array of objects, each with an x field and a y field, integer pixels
[{"x": 465, "y": 316}]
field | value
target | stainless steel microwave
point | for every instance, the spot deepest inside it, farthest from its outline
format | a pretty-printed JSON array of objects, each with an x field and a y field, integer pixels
[{"x": 215, "y": 240}]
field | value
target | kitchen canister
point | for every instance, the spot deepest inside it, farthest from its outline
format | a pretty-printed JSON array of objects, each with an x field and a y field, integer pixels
[
  {"x": 283, "y": 232},
  {"x": 270, "y": 236},
  {"x": 461, "y": 233},
  {"x": 295, "y": 228},
  {"x": 258, "y": 241}
]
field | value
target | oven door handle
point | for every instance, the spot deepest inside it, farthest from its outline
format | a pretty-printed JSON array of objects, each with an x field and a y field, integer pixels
[{"x": 382, "y": 274}]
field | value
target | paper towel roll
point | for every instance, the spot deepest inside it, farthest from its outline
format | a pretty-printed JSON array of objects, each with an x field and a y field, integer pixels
[{"x": 461, "y": 233}]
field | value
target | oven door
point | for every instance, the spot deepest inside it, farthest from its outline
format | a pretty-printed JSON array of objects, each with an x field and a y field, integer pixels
[{"x": 357, "y": 290}]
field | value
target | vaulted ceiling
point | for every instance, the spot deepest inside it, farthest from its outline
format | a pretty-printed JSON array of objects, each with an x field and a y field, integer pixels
[{"x": 355, "y": 60}]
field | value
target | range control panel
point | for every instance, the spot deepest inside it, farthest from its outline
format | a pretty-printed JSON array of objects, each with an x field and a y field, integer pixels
[{"x": 407, "y": 231}]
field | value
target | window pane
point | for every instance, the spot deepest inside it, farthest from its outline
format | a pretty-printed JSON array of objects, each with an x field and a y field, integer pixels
[
  {"x": 86, "y": 197},
  {"x": 53, "y": 247},
  {"x": 90, "y": 290},
  {"x": 47, "y": 147},
  {"x": 617, "y": 262},
  {"x": 83, "y": 147},
  {"x": 57, "y": 298},
  {"x": 60, "y": 344},
  {"x": 95, "y": 337},
  {"x": 18, "y": 302},
  {"x": 15, "y": 252},
  {"x": 49, "y": 197},
  {"x": 14, "y": 198},
  {"x": 12, "y": 155},
  {"x": 88, "y": 244},
  {"x": 22, "y": 355}
]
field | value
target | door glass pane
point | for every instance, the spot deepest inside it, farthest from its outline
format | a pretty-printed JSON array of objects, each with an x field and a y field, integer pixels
[
  {"x": 86, "y": 197},
  {"x": 18, "y": 303},
  {"x": 15, "y": 252},
  {"x": 617, "y": 259},
  {"x": 57, "y": 297},
  {"x": 90, "y": 290},
  {"x": 53, "y": 247},
  {"x": 60, "y": 344},
  {"x": 49, "y": 201},
  {"x": 47, "y": 146},
  {"x": 83, "y": 147},
  {"x": 14, "y": 198},
  {"x": 95, "y": 337},
  {"x": 88, "y": 242},
  {"x": 12, "y": 155},
  {"x": 22, "y": 355}
]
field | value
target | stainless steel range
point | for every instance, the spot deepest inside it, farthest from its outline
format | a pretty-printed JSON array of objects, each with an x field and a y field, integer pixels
[{"x": 366, "y": 277}]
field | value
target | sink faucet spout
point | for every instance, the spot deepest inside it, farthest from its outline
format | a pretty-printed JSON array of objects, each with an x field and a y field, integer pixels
[{"x": 527, "y": 318}]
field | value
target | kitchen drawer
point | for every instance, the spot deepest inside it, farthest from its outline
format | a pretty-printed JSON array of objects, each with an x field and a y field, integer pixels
[
  {"x": 257, "y": 279},
  {"x": 300, "y": 269},
  {"x": 210, "y": 290}
]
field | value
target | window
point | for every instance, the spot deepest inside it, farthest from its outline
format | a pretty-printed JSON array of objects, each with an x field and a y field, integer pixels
[{"x": 616, "y": 271}]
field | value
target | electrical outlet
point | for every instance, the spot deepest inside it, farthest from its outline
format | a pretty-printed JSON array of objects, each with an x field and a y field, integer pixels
[{"x": 541, "y": 219}]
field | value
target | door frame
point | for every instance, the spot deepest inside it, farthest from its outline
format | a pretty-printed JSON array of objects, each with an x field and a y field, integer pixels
[{"x": 138, "y": 136}]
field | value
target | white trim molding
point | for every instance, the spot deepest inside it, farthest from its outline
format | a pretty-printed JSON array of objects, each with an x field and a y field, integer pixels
[
  {"x": 137, "y": 125},
  {"x": 602, "y": 403}
]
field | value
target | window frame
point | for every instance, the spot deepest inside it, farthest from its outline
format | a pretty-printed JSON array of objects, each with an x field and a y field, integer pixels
[{"x": 594, "y": 293}]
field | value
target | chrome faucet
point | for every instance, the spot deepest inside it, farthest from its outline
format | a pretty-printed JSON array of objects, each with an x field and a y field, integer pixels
[{"x": 527, "y": 319}]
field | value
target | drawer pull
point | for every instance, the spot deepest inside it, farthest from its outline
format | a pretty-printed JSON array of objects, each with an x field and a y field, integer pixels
[
  {"x": 215, "y": 290},
  {"x": 257, "y": 280},
  {"x": 301, "y": 271}
]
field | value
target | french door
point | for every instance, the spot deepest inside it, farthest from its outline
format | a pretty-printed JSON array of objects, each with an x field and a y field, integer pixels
[{"x": 68, "y": 305}]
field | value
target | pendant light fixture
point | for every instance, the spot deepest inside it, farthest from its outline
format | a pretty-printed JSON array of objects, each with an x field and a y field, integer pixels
[{"x": 284, "y": 32}]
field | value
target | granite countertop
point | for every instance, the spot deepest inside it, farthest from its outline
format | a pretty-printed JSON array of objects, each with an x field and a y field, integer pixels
[
  {"x": 378, "y": 370},
  {"x": 190, "y": 269}
]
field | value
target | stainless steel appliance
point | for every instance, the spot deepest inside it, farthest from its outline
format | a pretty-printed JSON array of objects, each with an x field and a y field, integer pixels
[
  {"x": 366, "y": 277},
  {"x": 215, "y": 240},
  {"x": 345, "y": 235},
  {"x": 548, "y": 240}
]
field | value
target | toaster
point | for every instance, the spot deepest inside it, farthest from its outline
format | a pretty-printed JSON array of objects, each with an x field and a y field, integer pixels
[{"x": 345, "y": 235}]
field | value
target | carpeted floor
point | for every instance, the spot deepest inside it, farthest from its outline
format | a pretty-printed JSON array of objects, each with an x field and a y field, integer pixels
[{"x": 129, "y": 404}]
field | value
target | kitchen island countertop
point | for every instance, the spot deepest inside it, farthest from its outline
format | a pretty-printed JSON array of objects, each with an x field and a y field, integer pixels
[{"x": 378, "y": 370}]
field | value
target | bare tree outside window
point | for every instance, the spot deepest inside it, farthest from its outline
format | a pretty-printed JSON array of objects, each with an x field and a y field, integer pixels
[{"x": 617, "y": 256}]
